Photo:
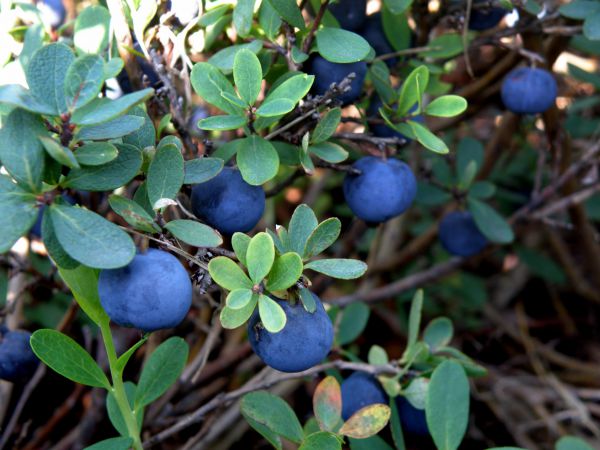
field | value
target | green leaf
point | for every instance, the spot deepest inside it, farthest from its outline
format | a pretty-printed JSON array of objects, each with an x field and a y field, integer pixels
[
  {"x": 321, "y": 440},
  {"x": 242, "y": 17},
  {"x": 438, "y": 333},
  {"x": 326, "y": 126},
  {"x": 444, "y": 46},
  {"x": 228, "y": 274},
  {"x": 102, "y": 110},
  {"x": 354, "y": 320},
  {"x": 92, "y": 28},
  {"x": 271, "y": 314},
  {"x": 579, "y": 9},
  {"x": 112, "y": 67},
  {"x": 114, "y": 412},
  {"x": 240, "y": 242},
  {"x": 275, "y": 107},
  {"x": 59, "y": 153},
  {"x": 66, "y": 357},
  {"x": 58, "y": 254},
  {"x": 161, "y": 370},
  {"x": 260, "y": 256},
  {"x": 396, "y": 426},
  {"x": 223, "y": 59},
  {"x": 412, "y": 90},
  {"x": 414, "y": 319},
  {"x": 416, "y": 392},
  {"x": 397, "y": 6},
  {"x": 572, "y": 443},
  {"x": 482, "y": 190},
  {"x": 201, "y": 169},
  {"x": 257, "y": 160},
  {"x": 293, "y": 88},
  {"x": 46, "y": 75},
  {"x": 125, "y": 357},
  {"x": 428, "y": 139},
  {"x": 96, "y": 153},
  {"x": 194, "y": 233},
  {"x": 308, "y": 300},
  {"x": 234, "y": 100},
  {"x": 21, "y": 152},
  {"x": 288, "y": 10},
  {"x": 91, "y": 239},
  {"x": 302, "y": 224},
  {"x": 165, "y": 174},
  {"x": 377, "y": 356},
  {"x": 344, "y": 269},
  {"x": 446, "y": 106},
  {"x": 112, "y": 129},
  {"x": 233, "y": 318},
  {"x": 322, "y": 237},
  {"x": 240, "y": 298},
  {"x": 116, "y": 443},
  {"x": 490, "y": 223},
  {"x": 269, "y": 20},
  {"x": 146, "y": 135},
  {"x": 222, "y": 123},
  {"x": 286, "y": 270},
  {"x": 209, "y": 83},
  {"x": 272, "y": 438},
  {"x": 469, "y": 149},
  {"x": 370, "y": 443},
  {"x": 380, "y": 75},
  {"x": 327, "y": 404},
  {"x": 367, "y": 421},
  {"x": 133, "y": 213},
  {"x": 247, "y": 75},
  {"x": 274, "y": 413},
  {"x": 447, "y": 405},
  {"x": 107, "y": 177},
  {"x": 17, "y": 96},
  {"x": 591, "y": 26},
  {"x": 341, "y": 46},
  {"x": 83, "y": 283},
  {"x": 83, "y": 81}
]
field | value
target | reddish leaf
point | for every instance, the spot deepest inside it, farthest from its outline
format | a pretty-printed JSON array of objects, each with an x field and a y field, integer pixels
[{"x": 327, "y": 404}]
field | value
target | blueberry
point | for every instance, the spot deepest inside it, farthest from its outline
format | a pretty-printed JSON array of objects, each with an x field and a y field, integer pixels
[
  {"x": 384, "y": 189},
  {"x": 17, "y": 360},
  {"x": 198, "y": 113},
  {"x": 184, "y": 10},
  {"x": 326, "y": 73},
  {"x": 484, "y": 19},
  {"x": 350, "y": 14},
  {"x": 373, "y": 32},
  {"x": 359, "y": 390},
  {"x": 53, "y": 12},
  {"x": 529, "y": 90},
  {"x": 303, "y": 343},
  {"x": 227, "y": 203},
  {"x": 152, "y": 292},
  {"x": 413, "y": 420},
  {"x": 382, "y": 130},
  {"x": 459, "y": 234}
]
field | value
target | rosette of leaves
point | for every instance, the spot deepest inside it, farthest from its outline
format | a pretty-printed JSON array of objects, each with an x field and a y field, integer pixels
[
  {"x": 274, "y": 419},
  {"x": 275, "y": 263},
  {"x": 399, "y": 111}
]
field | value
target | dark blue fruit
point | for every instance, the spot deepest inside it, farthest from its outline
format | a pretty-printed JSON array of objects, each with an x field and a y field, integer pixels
[
  {"x": 484, "y": 19},
  {"x": 152, "y": 292},
  {"x": 184, "y": 10},
  {"x": 359, "y": 390},
  {"x": 53, "y": 12},
  {"x": 198, "y": 114},
  {"x": 529, "y": 90},
  {"x": 227, "y": 203},
  {"x": 326, "y": 73},
  {"x": 413, "y": 420},
  {"x": 384, "y": 189},
  {"x": 373, "y": 32},
  {"x": 17, "y": 360},
  {"x": 382, "y": 130},
  {"x": 350, "y": 14},
  {"x": 304, "y": 341},
  {"x": 459, "y": 234}
]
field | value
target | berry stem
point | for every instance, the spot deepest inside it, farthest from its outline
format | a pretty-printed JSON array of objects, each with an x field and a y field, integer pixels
[{"x": 118, "y": 388}]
